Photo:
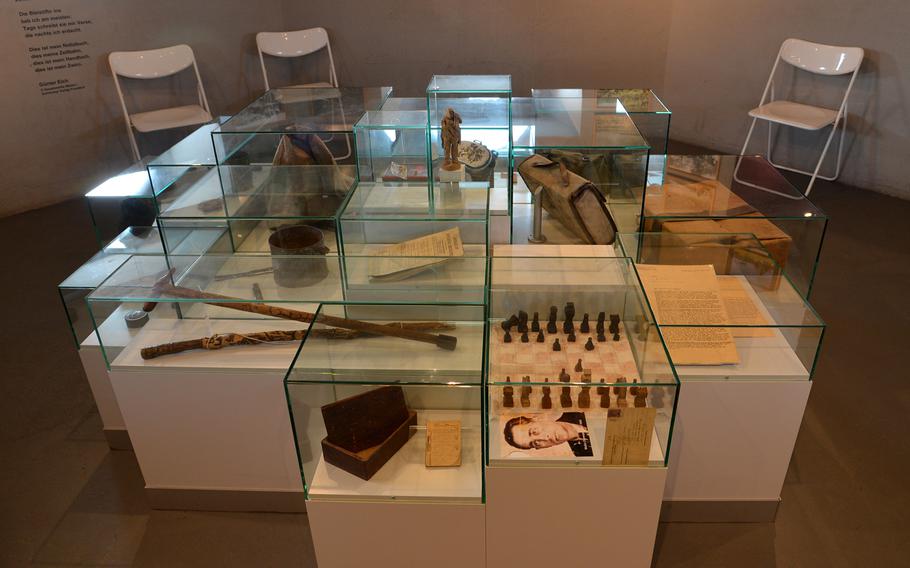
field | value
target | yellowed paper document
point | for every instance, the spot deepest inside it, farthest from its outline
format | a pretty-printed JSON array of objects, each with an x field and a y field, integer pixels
[
  {"x": 741, "y": 308},
  {"x": 443, "y": 443},
  {"x": 628, "y": 436},
  {"x": 397, "y": 262},
  {"x": 688, "y": 295}
]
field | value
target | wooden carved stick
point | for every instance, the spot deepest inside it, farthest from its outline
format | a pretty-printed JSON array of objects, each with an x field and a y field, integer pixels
[
  {"x": 447, "y": 342},
  {"x": 220, "y": 340}
]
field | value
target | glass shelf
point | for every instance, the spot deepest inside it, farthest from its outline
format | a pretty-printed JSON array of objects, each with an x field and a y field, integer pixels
[
  {"x": 733, "y": 194},
  {"x": 435, "y": 384},
  {"x": 392, "y": 146},
  {"x": 122, "y": 201}
]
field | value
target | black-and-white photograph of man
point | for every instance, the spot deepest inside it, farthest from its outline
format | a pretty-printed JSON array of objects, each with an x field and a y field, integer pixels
[{"x": 541, "y": 431}]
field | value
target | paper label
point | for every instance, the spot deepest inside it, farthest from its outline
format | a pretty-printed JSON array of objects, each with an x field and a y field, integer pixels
[
  {"x": 443, "y": 443},
  {"x": 628, "y": 436},
  {"x": 427, "y": 251},
  {"x": 398, "y": 170}
]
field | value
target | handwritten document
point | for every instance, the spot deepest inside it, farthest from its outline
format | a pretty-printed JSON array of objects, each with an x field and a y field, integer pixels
[{"x": 397, "y": 262}]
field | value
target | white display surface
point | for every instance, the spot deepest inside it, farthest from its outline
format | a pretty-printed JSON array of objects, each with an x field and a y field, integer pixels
[{"x": 406, "y": 476}]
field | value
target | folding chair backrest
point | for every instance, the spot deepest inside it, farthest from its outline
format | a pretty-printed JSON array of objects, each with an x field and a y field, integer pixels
[
  {"x": 153, "y": 63},
  {"x": 294, "y": 44},
  {"x": 821, "y": 59}
]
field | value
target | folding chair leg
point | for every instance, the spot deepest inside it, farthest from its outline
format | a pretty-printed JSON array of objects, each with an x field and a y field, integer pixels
[
  {"x": 133, "y": 145},
  {"x": 748, "y": 137},
  {"x": 822, "y": 158}
]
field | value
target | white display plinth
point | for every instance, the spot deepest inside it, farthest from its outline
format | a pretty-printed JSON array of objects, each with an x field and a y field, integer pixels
[
  {"x": 736, "y": 426},
  {"x": 572, "y": 516},
  {"x": 210, "y": 428},
  {"x": 397, "y": 534}
]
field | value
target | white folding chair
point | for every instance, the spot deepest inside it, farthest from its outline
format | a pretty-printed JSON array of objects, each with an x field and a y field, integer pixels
[
  {"x": 297, "y": 44},
  {"x": 821, "y": 60},
  {"x": 156, "y": 64}
]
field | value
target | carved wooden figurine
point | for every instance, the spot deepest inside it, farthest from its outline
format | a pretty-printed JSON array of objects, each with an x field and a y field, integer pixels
[{"x": 451, "y": 137}]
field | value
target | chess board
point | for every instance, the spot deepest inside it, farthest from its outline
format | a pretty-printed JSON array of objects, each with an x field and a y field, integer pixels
[{"x": 609, "y": 360}]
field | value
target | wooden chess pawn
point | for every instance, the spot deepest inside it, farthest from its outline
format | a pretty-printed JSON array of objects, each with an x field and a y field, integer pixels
[
  {"x": 507, "y": 338},
  {"x": 585, "y": 325},
  {"x": 578, "y": 366},
  {"x": 584, "y": 398},
  {"x": 556, "y": 346},
  {"x": 524, "y": 336},
  {"x": 565, "y": 398},
  {"x": 616, "y": 336},
  {"x": 589, "y": 346},
  {"x": 540, "y": 337},
  {"x": 546, "y": 402},
  {"x": 571, "y": 338},
  {"x": 525, "y": 393},
  {"x": 507, "y": 400},
  {"x": 535, "y": 323},
  {"x": 604, "y": 392},
  {"x": 564, "y": 376}
]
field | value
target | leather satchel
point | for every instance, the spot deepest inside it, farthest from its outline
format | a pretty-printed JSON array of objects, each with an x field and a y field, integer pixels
[{"x": 571, "y": 199}]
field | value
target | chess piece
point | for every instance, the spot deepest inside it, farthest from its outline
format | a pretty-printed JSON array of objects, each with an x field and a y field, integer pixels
[
  {"x": 551, "y": 322},
  {"x": 601, "y": 337},
  {"x": 540, "y": 337},
  {"x": 585, "y": 326},
  {"x": 604, "y": 393},
  {"x": 524, "y": 336},
  {"x": 535, "y": 323},
  {"x": 614, "y": 323},
  {"x": 584, "y": 397},
  {"x": 571, "y": 337},
  {"x": 601, "y": 316},
  {"x": 556, "y": 346},
  {"x": 570, "y": 311},
  {"x": 564, "y": 376},
  {"x": 616, "y": 336},
  {"x": 507, "y": 400},
  {"x": 522, "y": 321},
  {"x": 600, "y": 328},
  {"x": 546, "y": 402},
  {"x": 565, "y": 398},
  {"x": 641, "y": 396},
  {"x": 620, "y": 393},
  {"x": 525, "y": 393},
  {"x": 568, "y": 326},
  {"x": 513, "y": 320},
  {"x": 578, "y": 366},
  {"x": 507, "y": 338},
  {"x": 589, "y": 346},
  {"x": 506, "y": 326}
]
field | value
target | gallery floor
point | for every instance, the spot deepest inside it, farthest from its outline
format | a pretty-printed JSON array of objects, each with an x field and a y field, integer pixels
[{"x": 66, "y": 500}]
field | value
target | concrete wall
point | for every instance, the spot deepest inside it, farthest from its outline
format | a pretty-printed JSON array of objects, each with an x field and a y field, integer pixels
[
  {"x": 720, "y": 54},
  {"x": 53, "y": 147},
  {"x": 708, "y": 59}
]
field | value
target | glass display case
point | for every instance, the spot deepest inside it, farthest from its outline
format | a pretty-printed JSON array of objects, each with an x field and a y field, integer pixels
[
  {"x": 392, "y": 146},
  {"x": 586, "y": 161},
  {"x": 122, "y": 201},
  {"x": 186, "y": 167},
  {"x": 739, "y": 194},
  {"x": 317, "y": 120},
  {"x": 484, "y": 105},
  {"x": 78, "y": 285},
  {"x": 387, "y": 418},
  {"x": 650, "y": 115},
  {"x": 766, "y": 331},
  {"x": 260, "y": 209},
  {"x": 577, "y": 372}
]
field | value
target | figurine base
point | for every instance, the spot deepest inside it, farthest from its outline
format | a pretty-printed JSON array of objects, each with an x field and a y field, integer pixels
[
  {"x": 365, "y": 463},
  {"x": 446, "y": 176}
]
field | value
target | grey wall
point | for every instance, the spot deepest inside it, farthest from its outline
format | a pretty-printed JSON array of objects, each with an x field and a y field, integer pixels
[
  {"x": 54, "y": 147},
  {"x": 708, "y": 59},
  {"x": 720, "y": 54},
  {"x": 576, "y": 43}
]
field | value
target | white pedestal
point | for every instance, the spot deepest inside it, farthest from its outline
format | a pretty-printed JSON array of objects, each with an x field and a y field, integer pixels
[
  {"x": 100, "y": 382},
  {"x": 565, "y": 516},
  {"x": 731, "y": 448},
  {"x": 397, "y": 535},
  {"x": 211, "y": 429}
]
